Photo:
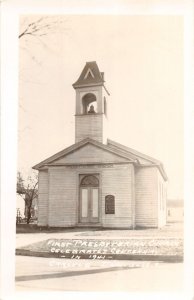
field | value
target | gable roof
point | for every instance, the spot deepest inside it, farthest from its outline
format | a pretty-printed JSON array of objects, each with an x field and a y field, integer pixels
[
  {"x": 90, "y": 75},
  {"x": 142, "y": 159},
  {"x": 131, "y": 155},
  {"x": 77, "y": 146},
  {"x": 135, "y": 153}
]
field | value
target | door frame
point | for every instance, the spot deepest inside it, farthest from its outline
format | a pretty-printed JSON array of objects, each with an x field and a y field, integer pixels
[{"x": 89, "y": 188}]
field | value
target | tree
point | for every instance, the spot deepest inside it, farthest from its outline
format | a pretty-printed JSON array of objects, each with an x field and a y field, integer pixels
[
  {"x": 28, "y": 190},
  {"x": 35, "y": 33},
  {"x": 35, "y": 42},
  {"x": 42, "y": 26},
  {"x": 20, "y": 184}
]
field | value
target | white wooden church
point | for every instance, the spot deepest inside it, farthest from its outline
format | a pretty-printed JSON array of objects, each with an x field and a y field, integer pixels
[{"x": 97, "y": 182}]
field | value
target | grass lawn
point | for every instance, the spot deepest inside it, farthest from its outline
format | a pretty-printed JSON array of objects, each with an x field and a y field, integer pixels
[
  {"x": 150, "y": 241},
  {"x": 172, "y": 229}
]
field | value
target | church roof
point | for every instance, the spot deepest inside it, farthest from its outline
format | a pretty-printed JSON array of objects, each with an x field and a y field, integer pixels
[
  {"x": 133, "y": 152},
  {"x": 143, "y": 159},
  {"x": 90, "y": 75},
  {"x": 131, "y": 156},
  {"x": 75, "y": 147}
]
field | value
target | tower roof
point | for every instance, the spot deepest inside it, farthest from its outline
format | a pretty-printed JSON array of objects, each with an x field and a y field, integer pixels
[{"x": 90, "y": 75}]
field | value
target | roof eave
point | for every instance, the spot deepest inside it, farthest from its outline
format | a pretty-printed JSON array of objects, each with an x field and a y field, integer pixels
[
  {"x": 100, "y": 83},
  {"x": 153, "y": 161},
  {"x": 106, "y": 90},
  {"x": 163, "y": 173},
  {"x": 134, "y": 152}
]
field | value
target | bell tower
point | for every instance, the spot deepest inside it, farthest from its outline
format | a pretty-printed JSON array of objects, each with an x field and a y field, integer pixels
[{"x": 91, "y": 104}]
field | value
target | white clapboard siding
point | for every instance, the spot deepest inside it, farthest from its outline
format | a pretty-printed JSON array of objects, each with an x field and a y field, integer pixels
[
  {"x": 90, "y": 154},
  {"x": 118, "y": 182},
  {"x": 43, "y": 198},
  {"x": 137, "y": 195},
  {"x": 146, "y": 196},
  {"x": 90, "y": 125},
  {"x": 62, "y": 197},
  {"x": 162, "y": 193}
]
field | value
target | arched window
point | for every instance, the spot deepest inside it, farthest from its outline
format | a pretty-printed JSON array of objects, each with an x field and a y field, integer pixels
[
  {"x": 110, "y": 204},
  {"x": 88, "y": 101},
  {"x": 89, "y": 180}
]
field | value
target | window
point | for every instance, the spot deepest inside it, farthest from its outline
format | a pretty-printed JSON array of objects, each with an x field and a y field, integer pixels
[
  {"x": 110, "y": 204},
  {"x": 89, "y": 180}
]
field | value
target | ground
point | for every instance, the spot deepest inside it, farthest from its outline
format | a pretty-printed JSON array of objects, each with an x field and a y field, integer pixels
[
  {"x": 55, "y": 274},
  {"x": 30, "y": 234},
  {"x": 61, "y": 274}
]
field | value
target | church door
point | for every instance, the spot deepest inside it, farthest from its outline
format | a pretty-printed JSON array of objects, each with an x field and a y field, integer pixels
[{"x": 89, "y": 199}]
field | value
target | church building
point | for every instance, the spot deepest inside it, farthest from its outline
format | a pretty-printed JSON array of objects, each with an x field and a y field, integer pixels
[{"x": 97, "y": 182}]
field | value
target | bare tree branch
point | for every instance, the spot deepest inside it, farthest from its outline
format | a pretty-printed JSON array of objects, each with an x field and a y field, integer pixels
[
  {"x": 29, "y": 190},
  {"x": 43, "y": 23}
]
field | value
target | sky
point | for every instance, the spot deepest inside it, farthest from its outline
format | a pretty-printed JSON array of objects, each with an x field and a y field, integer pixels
[{"x": 142, "y": 58}]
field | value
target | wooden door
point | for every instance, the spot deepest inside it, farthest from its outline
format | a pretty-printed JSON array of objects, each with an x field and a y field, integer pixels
[{"x": 89, "y": 201}]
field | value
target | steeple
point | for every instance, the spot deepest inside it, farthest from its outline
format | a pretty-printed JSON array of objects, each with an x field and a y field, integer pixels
[
  {"x": 91, "y": 104},
  {"x": 89, "y": 76}
]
